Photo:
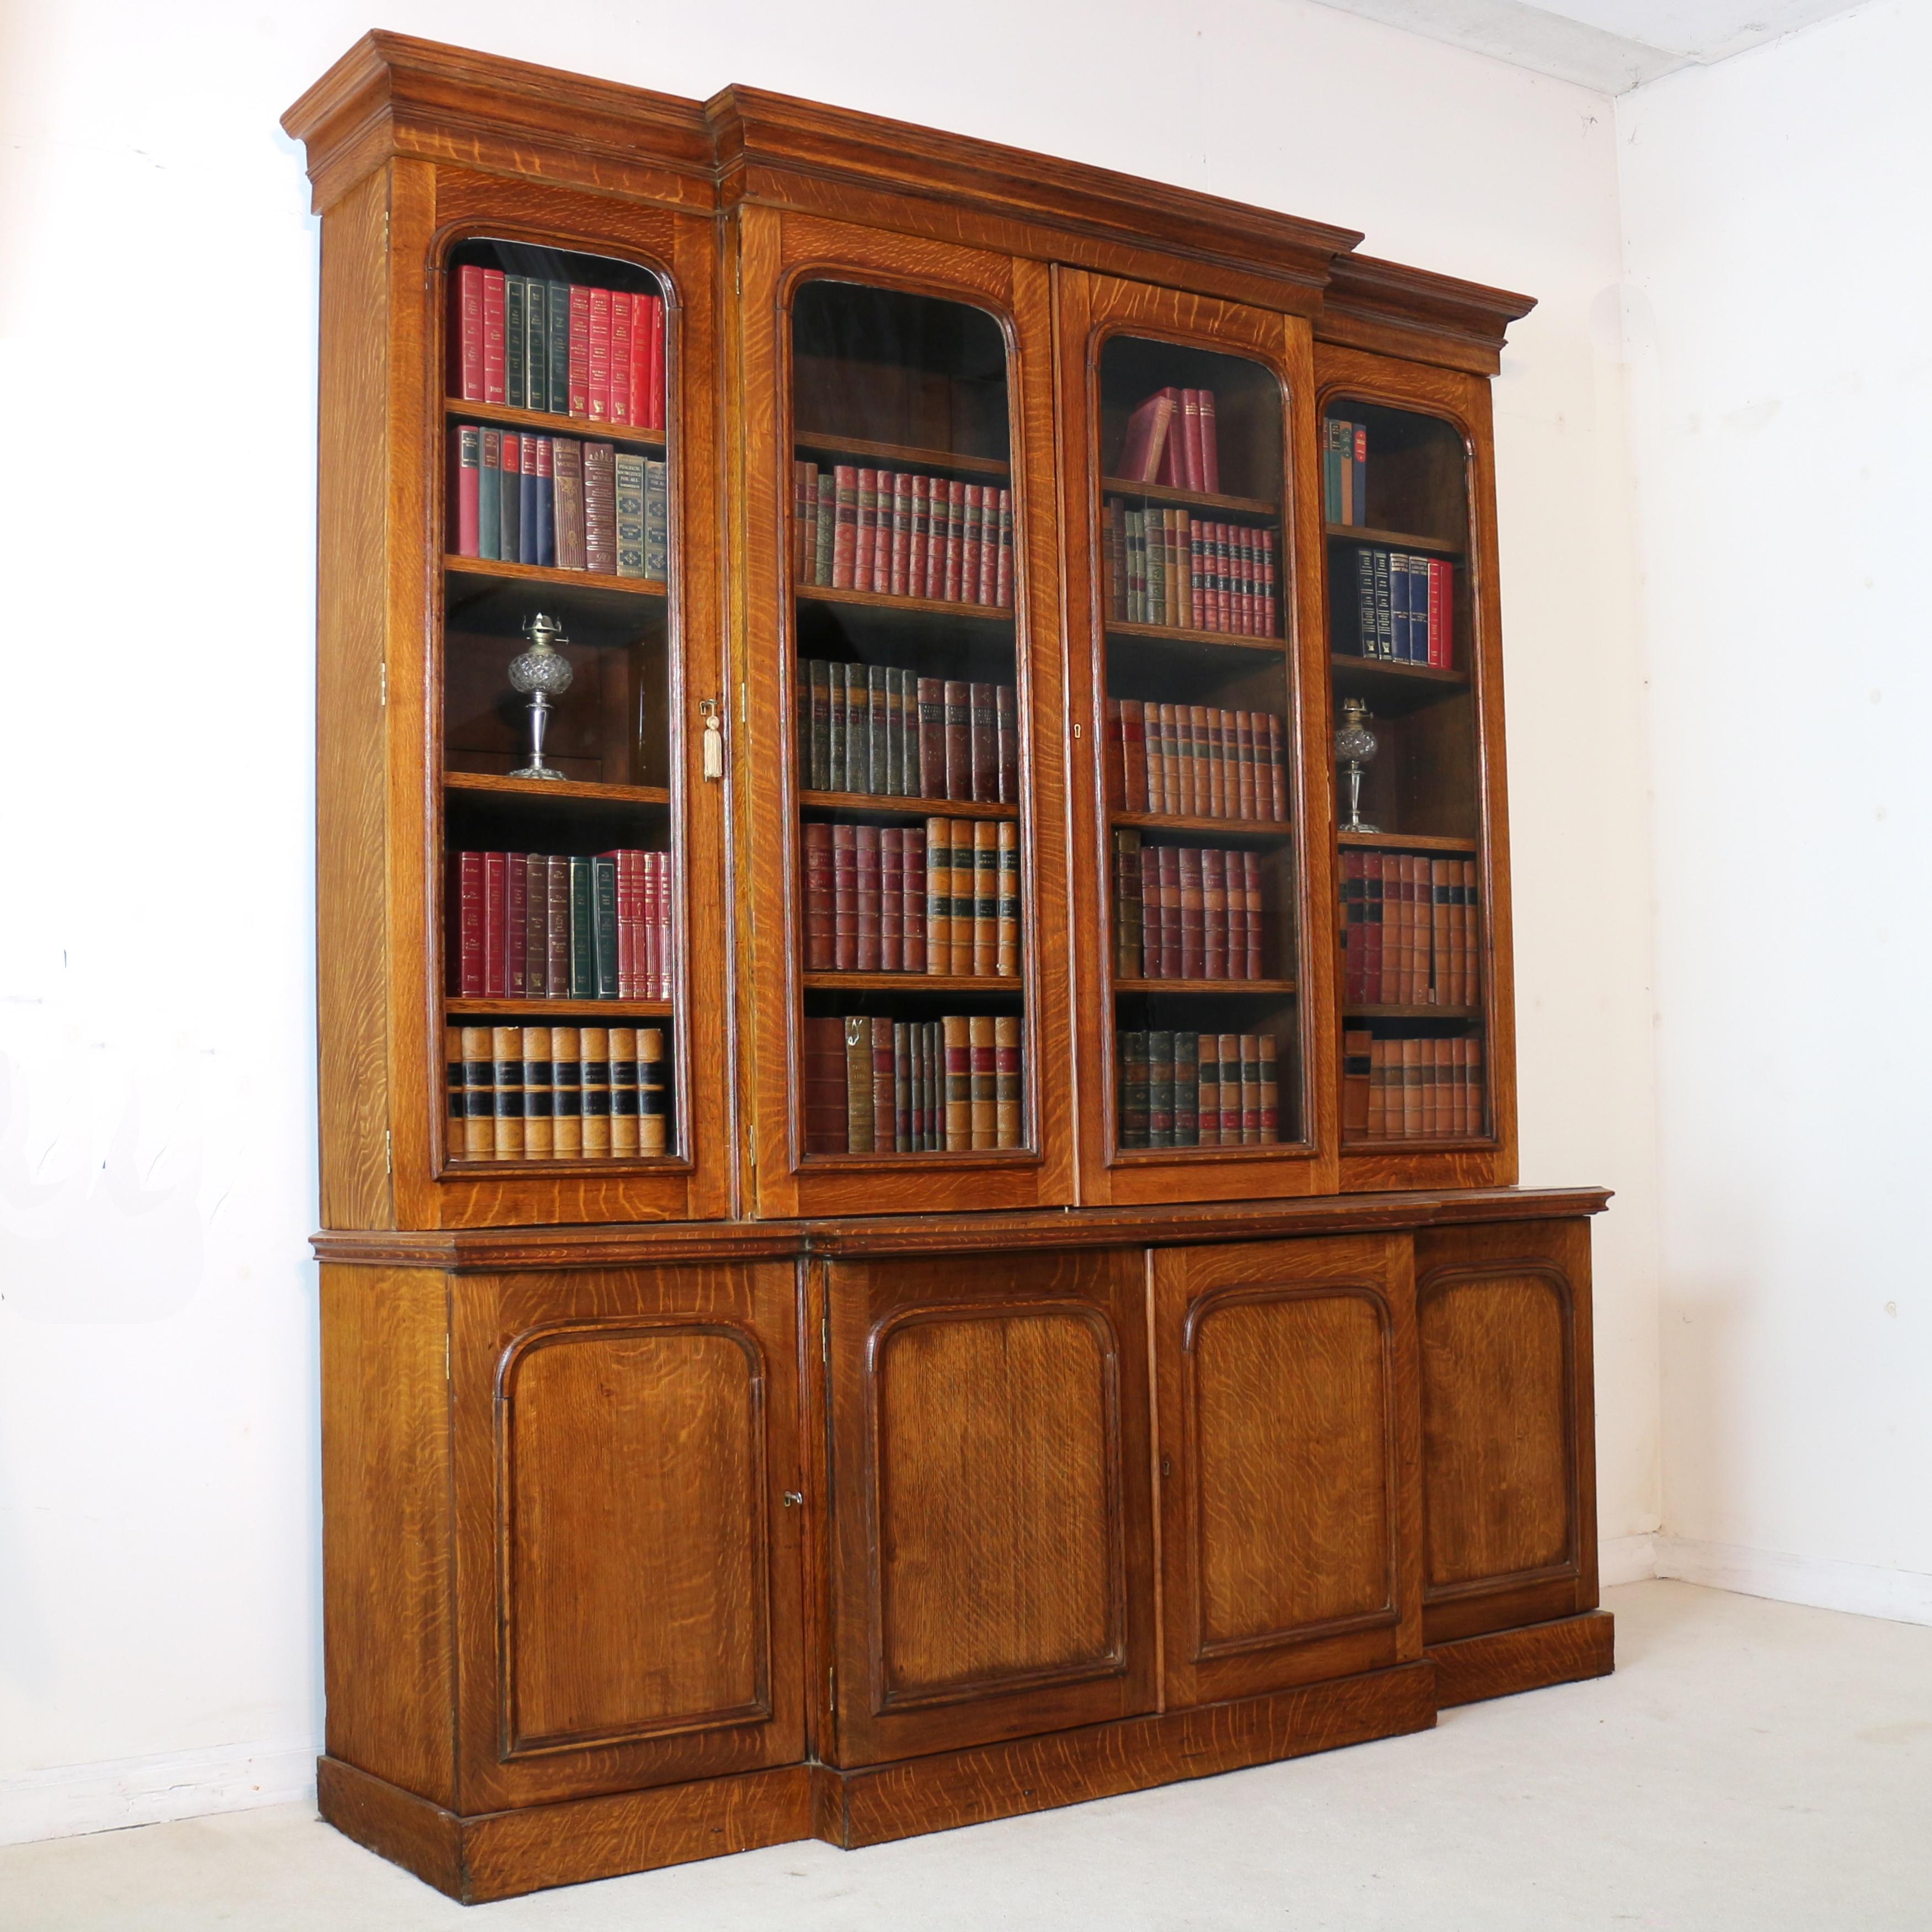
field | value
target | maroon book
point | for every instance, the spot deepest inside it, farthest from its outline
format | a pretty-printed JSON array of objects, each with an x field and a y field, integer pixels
[
  {"x": 600, "y": 508},
  {"x": 891, "y": 898},
  {"x": 912, "y": 901},
  {"x": 1152, "y": 921},
  {"x": 466, "y": 935},
  {"x": 983, "y": 750},
  {"x": 844, "y": 898},
  {"x": 1215, "y": 919},
  {"x": 825, "y": 1085},
  {"x": 516, "y": 910},
  {"x": 1251, "y": 883},
  {"x": 959, "y": 740},
  {"x": 930, "y": 697},
  {"x": 495, "y": 890},
  {"x": 821, "y": 925},
  {"x": 866, "y": 842},
  {"x": 1193, "y": 936},
  {"x": 1168, "y": 858},
  {"x": 1006, "y": 733}
]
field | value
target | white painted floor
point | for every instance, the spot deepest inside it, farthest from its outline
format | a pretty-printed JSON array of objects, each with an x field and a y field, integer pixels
[{"x": 1751, "y": 1764}]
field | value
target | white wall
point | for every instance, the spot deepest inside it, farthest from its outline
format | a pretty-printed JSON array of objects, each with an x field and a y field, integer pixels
[
  {"x": 158, "y": 1534},
  {"x": 1774, "y": 215}
]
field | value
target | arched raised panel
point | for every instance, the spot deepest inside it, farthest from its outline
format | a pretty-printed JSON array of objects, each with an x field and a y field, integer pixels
[
  {"x": 996, "y": 1483},
  {"x": 634, "y": 1540},
  {"x": 1499, "y": 1477},
  {"x": 1290, "y": 1410}
]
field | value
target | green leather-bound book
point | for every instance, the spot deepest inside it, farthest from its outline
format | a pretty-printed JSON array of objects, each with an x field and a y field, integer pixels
[
  {"x": 556, "y": 347},
  {"x": 583, "y": 931},
  {"x": 605, "y": 963},
  {"x": 536, "y": 350},
  {"x": 516, "y": 341}
]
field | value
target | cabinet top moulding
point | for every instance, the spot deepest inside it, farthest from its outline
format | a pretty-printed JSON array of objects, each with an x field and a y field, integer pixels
[{"x": 392, "y": 96}]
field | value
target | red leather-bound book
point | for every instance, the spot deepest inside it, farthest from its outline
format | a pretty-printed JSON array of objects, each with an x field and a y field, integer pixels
[
  {"x": 1270, "y": 1089},
  {"x": 623, "y": 311},
  {"x": 901, "y": 563},
  {"x": 844, "y": 898},
  {"x": 885, "y": 489},
  {"x": 958, "y": 740},
  {"x": 1153, "y": 914},
  {"x": 600, "y": 356},
  {"x": 820, "y": 918},
  {"x": 516, "y": 911},
  {"x": 1006, "y": 735},
  {"x": 465, "y": 927},
  {"x": 466, "y": 337},
  {"x": 1114, "y": 770},
  {"x": 464, "y": 535},
  {"x": 1270, "y": 618},
  {"x": 1193, "y": 937},
  {"x": 1277, "y": 771},
  {"x": 655, "y": 373},
  {"x": 891, "y": 898},
  {"x": 825, "y": 1103},
  {"x": 971, "y": 532},
  {"x": 984, "y": 748},
  {"x": 1002, "y": 570},
  {"x": 496, "y": 886},
  {"x": 1210, "y": 448},
  {"x": 912, "y": 901},
  {"x": 1442, "y": 615},
  {"x": 865, "y": 525},
  {"x": 1133, "y": 753},
  {"x": 1172, "y": 912},
  {"x": 989, "y": 545},
  {"x": 649, "y": 889},
  {"x": 1148, "y": 430},
  {"x": 1181, "y": 760},
  {"x": 865, "y": 842},
  {"x": 1212, "y": 735},
  {"x": 1251, "y": 884},
  {"x": 1190, "y": 419},
  {"x": 845, "y": 536},
  {"x": 667, "y": 925},
  {"x": 919, "y": 536},
  {"x": 955, "y": 540},
  {"x": 1173, "y": 470},
  {"x": 930, "y": 696},
  {"x": 579, "y": 361},
  {"x": 1216, "y": 918},
  {"x": 494, "y": 322}
]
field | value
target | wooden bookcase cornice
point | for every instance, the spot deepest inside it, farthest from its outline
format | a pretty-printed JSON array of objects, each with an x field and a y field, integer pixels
[{"x": 392, "y": 96}]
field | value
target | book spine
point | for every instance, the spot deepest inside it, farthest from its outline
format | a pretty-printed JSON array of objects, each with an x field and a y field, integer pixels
[
  {"x": 912, "y": 901},
  {"x": 1251, "y": 887},
  {"x": 824, "y": 531},
  {"x": 985, "y": 897},
  {"x": 653, "y": 1094},
  {"x": 1160, "y": 1088},
  {"x": 891, "y": 898},
  {"x": 466, "y": 487},
  {"x": 1269, "y": 1083},
  {"x": 489, "y": 496},
  {"x": 1168, "y": 860},
  {"x": 466, "y": 939},
  {"x": 496, "y": 885},
  {"x": 1127, "y": 908},
  {"x": 1008, "y": 1083},
  {"x": 1192, "y": 442},
  {"x": 1186, "y": 1089},
  {"x": 984, "y": 1076},
  {"x": 598, "y": 387},
  {"x": 467, "y": 345},
  {"x": 506, "y": 1052},
  {"x": 567, "y": 459},
  {"x": 820, "y": 901},
  {"x": 657, "y": 521},
  {"x": 516, "y": 913},
  {"x": 1006, "y": 742},
  {"x": 1358, "y": 474},
  {"x": 878, "y": 730},
  {"x": 539, "y": 1099},
  {"x": 966, "y": 909},
  {"x": 1002, "y": 570},
  {"x": 845, "y": 537},
  {"x": 594, "y": 1091},
  {"x": 1211, "y": 444},
  {"x": 939, "y": 895},
  {"x": 825, "y": 1098},
  {"x": 600, "y": 507},
  {"x": 1192, "y": 935},
  {"x": 1130, "y": 1063},
  {"x": 1215, "y": 957},
  {"x": 627, "y": 479},
  {"x": 623, "y": 312},
  {"x": 1277, "y": 770},
  {"x": 959, "y": 715},
  {"x": 472, "y": 1133},
  {"x": 1385, "y": 605},
  {"x": 495, "y": 376},
  {"x": 860, "y": 1124},
  {"x": 845, "y": 847},
  {"x": 867, "y": 888},
  {"x": 658, "y": 388},
  {"x": 1006, "y": 950},
  {"x": 516, "y": 343},
  {"x": 578, "y": 362}
]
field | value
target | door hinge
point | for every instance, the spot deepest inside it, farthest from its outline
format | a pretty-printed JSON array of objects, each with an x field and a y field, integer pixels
[
  {"x": 383, "y": 677},
  {"x": 388, "y": 1153}
]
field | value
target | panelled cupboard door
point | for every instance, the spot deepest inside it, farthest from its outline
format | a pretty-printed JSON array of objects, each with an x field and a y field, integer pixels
[
  {"x": 1508, "y": 1426},
  {"x": 900, "y": 703},
  {"x": 1427, "y": 1003},
  {"x": 1202, "y": 956},
  {"x": 640, "y": 633},
  {"x": 993, "y": 1566},
  {"x": 1285, "y": 1377},
  {"x": 627, "y": 1566}
]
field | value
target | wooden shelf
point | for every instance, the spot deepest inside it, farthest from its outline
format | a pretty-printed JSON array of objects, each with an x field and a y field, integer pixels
[
  {"x": 1402, "y": 841},
  {"x": 893, "y": 804},
  {"x": 598, "y": 1164},
  {"x": 1194, "y": 500},
  {"x": 1394, "y": 539},
  {"x": 1166, "y": 821},
  {"x": 1191, "y": 986},
  {"x": 1413, "y": 1013},
  {"x": 911, "y": 606},
  {"x": 571, "y": 788},
  {"x": 1407, "y": 674},
  {"x": 543, "y": 420},
  {"x": 900, "y": 455},
  {"x": 537, "y": 1012},
  {"x": 1173, "y": 633},
  {"x": 489, "y": 571},
  {"x": 903, "y": 983}
]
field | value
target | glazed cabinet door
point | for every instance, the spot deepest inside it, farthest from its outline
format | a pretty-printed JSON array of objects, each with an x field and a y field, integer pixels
[
  {"x": 896, "y": 753},
  {"x": 1508, "y": 1426},
  {"x": 1200, "y": 853},
  {"x": 992, "y": 1566},
  {"x": 1285, "y": 1374},
  {"x": 628, "y": 1564}
]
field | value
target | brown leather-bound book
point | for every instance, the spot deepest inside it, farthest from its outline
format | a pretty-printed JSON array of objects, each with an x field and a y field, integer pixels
[
  {"x": 1472, "y": 938},
  {"x": 1182, "y": 760},
  {"x": 1221, "y": 938},
  {"x": 1449, "y": 1088},
  {"x": 901, "y": 563},
  {"x": 1153, "y": 915},
  {"x": 1208, "y": 1090},
  {"x": 1277, "y": 794},
  {"x": 536, "y": 925},
  {"x": 955, "y": 540},
  {"x": 844, "y": 898},
  {"x": 1168, "y": 858},
  {"x": 539, "y": 1095},
  {"x": 983, "y": 746},
  {"x": 865, "y": 525},
  {"x": 825, "y": 1120},
  {"x": 972, "y": 544},
  {"x": 1241, "y": 755},
  {"x": 506, "y": 1050},
  {"x": 1357, "y": 1044},
  {"x": 1193, "y": 937},
  {"x": 1009, "y": 1085},
  {"x": 1007, "y": 737},
  {"x": 1271, "y": 1086},
  {"x": 858, "y": 1033},
  {"x": 567, "y": 511},
  {"x": 882, "y": 540},
  {"x": 902, "y": 1082},
  {"x": 1371, "y": 929},
  {"x": 1171, "y": 716},
  {"x": 1006, "y": 954},
  {"x": 600, "y": 508},
  {"x": 1113, "y": 766},
  {"x": 1378, "y": 1128},
  {"x": 939, "y": 894},
  {"x": 891, "y": 899},
  {"x": 845, "y": 529},
  {"x": 1472, "y": 1050},
  {"x": 866, "y": 870},
  {"x": 825, "y": 529},
  {"x": 653, "y": 1094},
  {"x": 1415, "y": 913},
  {"x": 959, "y": 740},
  {"x": 1155, "y": 743},
  {"x": 968, "y": 913},
  {"x": 984, "y": 1093},
  {"x": 989, "y": 545},
  {"x": 1254, "y": 932},
  {"x": 566, "y": 1102},
  {"x": 1228, "y": 1046},
  {"x": 985, "y": 896},
  {"x": 479, "y": 1138},
  {"x": 932, "y": 1081},
  {"x": 912, "y": 922},
  {"x": 878, "y": 730},
  {"x": 956, "y": 1045},
  {"x": 885, "y": 1101},
  {"x": 1134, "y": 754},
  {"x": 1187, "y": 1089},
  {"x": 1002, "y": 564},
  {"x": 820, "y": 900},
  {"x": 1411, "y": 1128},
  {"x": 1128, "y": 913},
  {"x": 596, "y": 1090},
  {"x": 930, "y": 699},
  {"x": 1207, "y": 799},
  {"x": 1251, "y": 1090},
  {"x": 918, "y": 547},
  {"x": 624, "y": 1134}
]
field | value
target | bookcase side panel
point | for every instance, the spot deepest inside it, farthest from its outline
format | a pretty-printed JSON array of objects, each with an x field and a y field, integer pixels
[{"x": 352, "y": 814}]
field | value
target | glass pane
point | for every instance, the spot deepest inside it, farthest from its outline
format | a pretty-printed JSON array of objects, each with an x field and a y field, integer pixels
[
  {"x": 1203, "y": 946},
  {"x": 909, "y": 735},
  {"x": 1396, "y": 501},
  {"x": 559, "y": 937}
]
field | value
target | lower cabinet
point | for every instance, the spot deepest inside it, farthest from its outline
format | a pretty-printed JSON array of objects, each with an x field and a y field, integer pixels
[
  {"x": 992, "y": 1549},
  {"x": 1285, "y": 1391}
]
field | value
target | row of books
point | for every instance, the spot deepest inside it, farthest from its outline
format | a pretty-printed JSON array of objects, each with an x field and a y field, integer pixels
[
  {"x": 1170, "y": 568},
  {"x": 891, "y": 734},
  {"x": 1182, "y": 913},
  {"x": 538, "y": 926},
  {"x": 1187, "y": 1090},
  {"x": 1345, "y": 472},
  {"x": 1404, "y": 608},
  {"x": 1172, "y": 439},
  {"x": 1195, "y": 761},
  {"x": 1410, "y": 1090},
  {"x": 894, "y": 899},
  {"x": 558, "y": 346},
  {"x": 559, "y": 502},
  {"x": 876, "y": 1085},
  {"x": 562, "y": 1093},
  {"x": 1411, "y": 931},
  {"x": 900, "y": 533}
]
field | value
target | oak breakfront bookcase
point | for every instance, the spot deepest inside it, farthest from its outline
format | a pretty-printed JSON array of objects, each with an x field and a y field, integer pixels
[{"x": 1019, "y": 1293}]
